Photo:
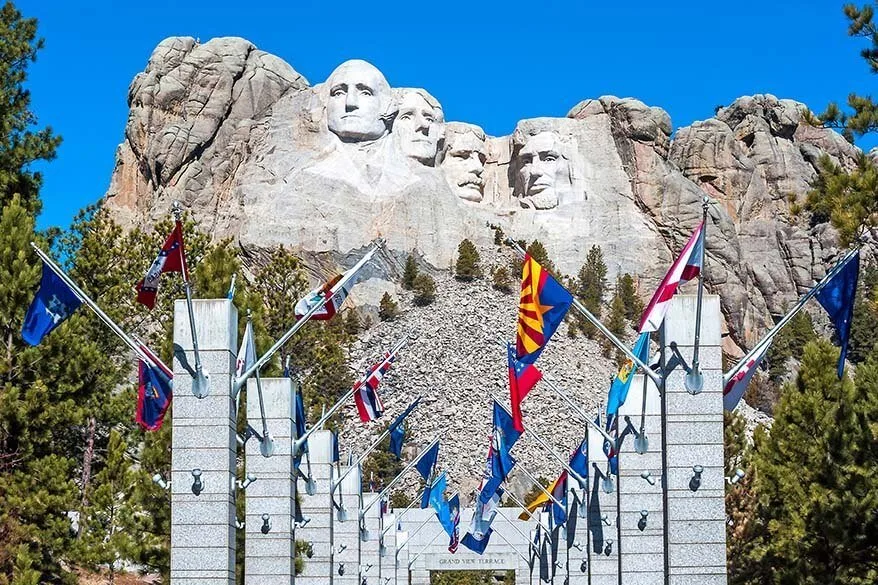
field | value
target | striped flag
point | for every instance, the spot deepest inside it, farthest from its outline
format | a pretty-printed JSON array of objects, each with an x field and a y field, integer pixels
[
  {"x": 685, "y": 268},
  {"x": 332, "y": 306},
  {"x": 369, "y": 405},
  {"x": 737, "y": 385},
  {"x": 171, "y": 258}
]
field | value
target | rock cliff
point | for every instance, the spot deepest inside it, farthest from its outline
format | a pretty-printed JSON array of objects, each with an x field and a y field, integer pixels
[{"x": 256, "y": 153}]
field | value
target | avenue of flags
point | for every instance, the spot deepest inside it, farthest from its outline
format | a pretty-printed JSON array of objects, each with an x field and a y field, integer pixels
[{"x": 543, "y": 305}]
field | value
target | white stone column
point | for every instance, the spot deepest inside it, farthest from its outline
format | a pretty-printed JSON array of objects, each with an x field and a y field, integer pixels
[
  {"x": 204, "y": 438},
  {"x": 641, "y": 538},
  {"x": 317, "y": 508},
  {"x": 347, "y": 534},
  {"x": 696, "y": 551},
  {"x": 270, "y": 556}
]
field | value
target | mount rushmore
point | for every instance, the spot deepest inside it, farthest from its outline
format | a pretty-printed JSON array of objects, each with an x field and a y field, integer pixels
[{"x": 256, "y": 153}]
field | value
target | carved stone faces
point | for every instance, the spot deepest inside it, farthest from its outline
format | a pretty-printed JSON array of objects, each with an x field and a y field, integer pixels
[
  {"x": 464, "y": 162},
  {"x": 358, "y": 101},
  {"x": 419, "y": 126},
  {"x": 544, "y": 179}
]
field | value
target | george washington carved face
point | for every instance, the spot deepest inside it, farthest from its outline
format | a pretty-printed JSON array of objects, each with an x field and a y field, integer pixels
[{"x": 358, "y": 102}]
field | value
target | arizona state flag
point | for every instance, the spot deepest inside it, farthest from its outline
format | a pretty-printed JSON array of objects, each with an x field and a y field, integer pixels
[
  {"x": 543, "y": 305},
  {"x": 171, "y": 258}
]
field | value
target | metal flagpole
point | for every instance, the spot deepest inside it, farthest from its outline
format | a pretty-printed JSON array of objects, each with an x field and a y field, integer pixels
[
  {"x": 600, "y": 326},
  {"x": 297, "y": 444},
  {"x": 399, "y": 476},
  {"x": 266, "y": 444},
  {"x": 323, "y": 299},
  {"x": 404, "y": 512},
  {"x": 200, "y": 386},
  {"x": 766, "y": 339},
  {"x": 694, "y": 381},
  {"x": 506, "y": 540},
  {"x": 530, "y": 514},
  {"x": 641, "y": 441},
  {"x": 137, "y": 347},
  {"x": 530, "y": 432},
  {"x": 558, "y": 390},
  {"x": 534, "y": 481},
  {"x": 365, "y": 454}
]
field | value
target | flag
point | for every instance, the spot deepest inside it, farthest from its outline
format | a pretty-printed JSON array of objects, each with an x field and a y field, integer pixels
[
  {"x": 609, "y": 447},
  {"x": 543, "y": 305},
  {"x": 301, "y": 427},
  {"x": 737, "y": 385},
  {"x": 336, "y": 456},
  {"x": 837, "y": 297},
  {"x": 522, "y": 378},
  {"x": 433, "y": 484},
  {"x": 534, "y": 548},
  {"x": 579, "y": 461},
  {"x": 53, "y": 303},
  {"x": 480, "y": 528},
  {"x": 500, "y": 462},
  {"x": 439, "y": 504},
  {"x": 171, "y": 258},
  {"x": 335, "y": 298},
  {"x": 454, "y": 511},
  {"x": 686, "y": 267},
  {"x": 154, "y": 393},
  {"x": 397, "y": 430},
  {"x": 369, "y": 405},
  {"x": 427, "y": 462},
  {"x": 383, "y": 505},
  {"x": 622, "y": 381}
]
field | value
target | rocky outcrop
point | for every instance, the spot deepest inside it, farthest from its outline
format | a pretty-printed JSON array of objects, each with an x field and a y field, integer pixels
[{"x": 255, "y": 153}]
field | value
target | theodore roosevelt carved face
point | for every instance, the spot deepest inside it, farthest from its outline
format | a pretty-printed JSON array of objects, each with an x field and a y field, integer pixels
[
  {"x": 464, "y": 162},
  {"x": 358, "y": 103}
]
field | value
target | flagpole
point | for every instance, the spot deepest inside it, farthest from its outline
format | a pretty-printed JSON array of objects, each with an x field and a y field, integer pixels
[
  {"x": 506, "y": 540},
  {"x": 694, "y": 381},
  {"x": 323, "y": 299},
  {"x": 138, "y": 348},
  {"x": 266, "y": 445},
  {"x": 200, "y": 386},
  {"x": 404, "y": 512},
  {"x": 534, "y": 481},
  {"x": 530, "y": 514},
  {"x": 766, "y": 339},
  {"x": 594, "y": 321},
  {"x": 546, "y": 446},
  {"x": 558, "y": 390},
  {"x": 297, "y": 444},
  {"x": 399, "y": 476},
  {"x": 365, "y": 454}
]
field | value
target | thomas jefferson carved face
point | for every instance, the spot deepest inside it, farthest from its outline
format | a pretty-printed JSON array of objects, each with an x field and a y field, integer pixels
[
  {"x": 419, "y": 126},
  {"x": 544, "y": 177},
  {"x": 464, "y": 162},
  {"x": 358, "y": 102}
]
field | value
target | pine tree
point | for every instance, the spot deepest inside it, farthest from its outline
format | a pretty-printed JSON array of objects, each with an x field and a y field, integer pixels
[
  {"x": 108, "y": 533},
  {"x": 817, "y": 479},
  {"x": 502, "y": 280},
  {"x": 410, "y": 273},
  {"x": 538, "y": 252},
  {"x": 467, "y": 267},
  {"x": 616, "y": 324},
  {"x": 740, "y": 498},
  {"x": 21, "y": 144},
  {"x": 425, "y": 289},
  {"x": 388, "y": 310},
  {"x": 590, "y": 286},
  {"x": 381, "y": 466},
  {"x": 788, "y": 344},
  {"x": 628, "y": 293}
]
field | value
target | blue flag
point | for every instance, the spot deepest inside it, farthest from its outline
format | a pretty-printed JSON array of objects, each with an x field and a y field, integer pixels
[
  {"x": 428, "y": 462},
  {"x": 622, "y": 382},
  {"x": 454, "y": 514},
  {"x": 301, "y": 428},
  {"x": 336, "y": 456},
  {"x": 154, "y": 393},
  {"x": 480, "y": 528},
  {"x": 837, "y": 297},
  {"x": 440, "y": 504},
  {"x": 579, "y": 461},
  {"x": 500, "y": 461},
  {"x": 53, "y": 303},
  {"x": 397, "y": 430}
]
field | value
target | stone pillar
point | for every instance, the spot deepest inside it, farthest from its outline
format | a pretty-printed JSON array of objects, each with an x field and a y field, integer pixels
[
  {"x": 576, "y": 535},
  {"x": 369, "y": 548},
  {"x": 317, "y": 508},
  {"x": 204, "y": 437},
  {"x": 696, "y": 537},
  {"x": 270, "y": 556},
  {"x": 347, "y": 534},
  {"x": 641, "y": 539},
  {"x": 603, "y": 537}
]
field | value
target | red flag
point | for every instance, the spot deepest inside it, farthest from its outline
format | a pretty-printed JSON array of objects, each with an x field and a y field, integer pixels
[
  {"x": 522, "y": 378},
  {"x": 686, "y": 267},
  {"x": 171, "y": 258}
]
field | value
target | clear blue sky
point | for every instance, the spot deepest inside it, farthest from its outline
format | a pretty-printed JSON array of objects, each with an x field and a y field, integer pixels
[{"x": 489, "y": 63}]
